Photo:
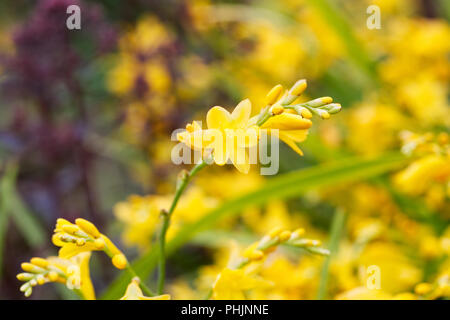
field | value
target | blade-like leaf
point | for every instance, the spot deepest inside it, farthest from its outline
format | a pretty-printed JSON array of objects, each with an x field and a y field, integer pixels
[
  {"x": 24, "y": 220},
  {"x": 287, "y": 185}
]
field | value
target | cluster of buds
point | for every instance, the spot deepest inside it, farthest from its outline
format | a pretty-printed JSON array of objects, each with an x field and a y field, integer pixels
[
  {"x": 84, "y": 236},
  {"x": 38, "y": 272},
  {"x": 258, "y": 250},
  {"x": 279, "y": 100},
  {"x": 425, "y": 143}
]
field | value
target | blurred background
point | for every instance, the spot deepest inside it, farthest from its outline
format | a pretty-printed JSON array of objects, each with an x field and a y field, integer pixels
[{"x": 86, "y": 118}]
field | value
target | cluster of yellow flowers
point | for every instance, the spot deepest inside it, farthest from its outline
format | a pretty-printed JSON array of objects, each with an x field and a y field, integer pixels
[{"x": 291, "y": 121}]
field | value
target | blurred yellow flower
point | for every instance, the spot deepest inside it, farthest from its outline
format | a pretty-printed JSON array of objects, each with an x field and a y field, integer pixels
[{"x": 232, "y": 284}]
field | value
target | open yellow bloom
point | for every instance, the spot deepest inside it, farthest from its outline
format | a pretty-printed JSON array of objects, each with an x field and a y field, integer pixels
[
  {"x": 134, "y": 292},
  {"x": 73, "y": 272},
  {"x": 228, "y": 135},
  {"x": 83, "y": 236}
]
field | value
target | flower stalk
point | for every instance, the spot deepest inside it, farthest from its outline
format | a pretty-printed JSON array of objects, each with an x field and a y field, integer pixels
[{"x": 182, "y": 183}]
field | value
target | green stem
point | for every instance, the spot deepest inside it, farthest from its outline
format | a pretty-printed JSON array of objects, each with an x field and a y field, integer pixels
[
  {"x": 181, "y": 186},
  {"x": 335, "y": 235},
  {"x": 144, "y": 287}
]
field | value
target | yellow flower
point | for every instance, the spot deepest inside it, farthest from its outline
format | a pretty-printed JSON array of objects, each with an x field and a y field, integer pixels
[
  {"x": 228, "y": 135},
  {"x": 83, "y": 236},
  {"x": 134, "y": 292},
  {"x": 73, "y": 272},
  {"x": 232, "y": 284},
  {"x": 420, "y": 175}
]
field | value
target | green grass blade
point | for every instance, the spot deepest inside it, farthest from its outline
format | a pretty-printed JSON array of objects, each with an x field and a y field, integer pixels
[
  {"x": 283, "y": 186},
  {"x": 337, "y": 227},
  {"x": 24, "y": 220}
]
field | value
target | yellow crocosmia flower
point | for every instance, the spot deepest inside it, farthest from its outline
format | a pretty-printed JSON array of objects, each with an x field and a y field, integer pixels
[
  {"x": 292, "y": 128},
  {"x": 73, "y": 272},
  {"x": 362, "y": 293},
  {"x": 134, "y": 292},
  {"x": 228, "y": 135},
  {"x": 83, "y": 236},
  {"x": 232, "y": 284}
]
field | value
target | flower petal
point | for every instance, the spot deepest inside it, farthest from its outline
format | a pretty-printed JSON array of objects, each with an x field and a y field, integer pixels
[
  {"x": 241, "y": 114},
  {"x": 290, "y": 143},
  {"x": 218, "y": 118}
]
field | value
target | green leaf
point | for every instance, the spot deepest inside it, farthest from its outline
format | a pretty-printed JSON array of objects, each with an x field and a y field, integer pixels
[
  {"x": 337, "y": 227},
  {"x": 5, "y": 184},
  {"x": 283, "y": 186},
  {"x": 25, "y": 221}
]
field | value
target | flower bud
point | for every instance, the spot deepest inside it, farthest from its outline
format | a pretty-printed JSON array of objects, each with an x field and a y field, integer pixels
[
  {"x": 274, "y": 94},
  {"x": 298, "y": 88},
  {"x": 119, "y": 261},
  {"x": 88, "y": 227}
]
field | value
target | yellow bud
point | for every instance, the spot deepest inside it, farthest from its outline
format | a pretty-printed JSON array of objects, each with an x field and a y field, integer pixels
[
  {"x": 28, "y": 292},
  {"x": 274, "y": 94},
  {"x": 305, "y": 113},
  {"x": 88, "y": 227},
  {"x": 326, "y": 100},
  {"x": 285, "y": 235},
  {"x": 298, "y": 88},
  {"x": 81, "y": 242},
  {"x": 40, "y": 262},
  {"x": 60, "y": 222},
  {"x": 99, "y": 243},
  {"x": 53, "y": 276},
  {"x": 40, "y": 279},
  {"x": 119, "y": 261},
  {"x": 24, "y": 276},
  {"x": 189, "y": 127},
  {"x": 297, "y": 233},
  {"x": 423, "y": 288},
  {"x": 28, "y": 267},
  {"x": 275, "y": 232},
  {"x": 70, "y": 228},
  {"x": 324, "y": 114},
  {"x": 276, "y": 110},
  {"x": 33, "y": 282},
  {"x": 256, "y": 255}
]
